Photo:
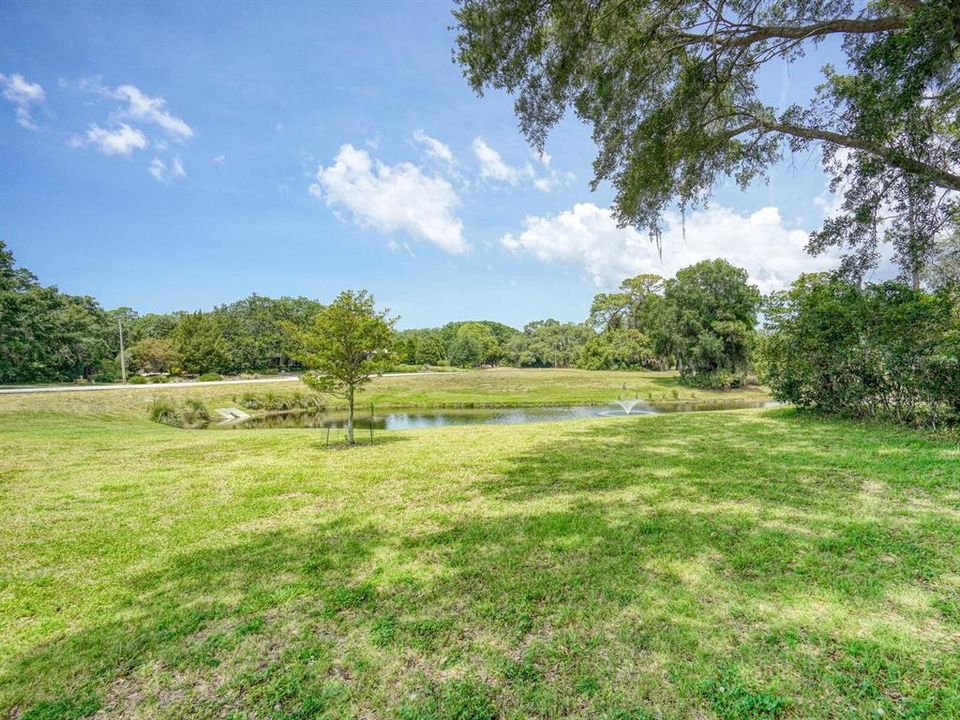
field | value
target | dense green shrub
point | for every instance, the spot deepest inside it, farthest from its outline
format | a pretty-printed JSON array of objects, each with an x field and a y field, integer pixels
[
  {"x": 137, "y": 380},
  {"x": 192, "y": 413},
  {"x": 159, "y": 379},
  {"x": 405, "y": 368},
  {"x": 164, "y": 411},
  {"x": 721, "y": 380},
  {"x": 274, "y": 402},
  {"x": 250, "y": 401},
  {"x": 883, "y": 350},
  {"x": 108, "y": 371},
  {"x": 209, "y": 377},
  {"x": 618, "y": 349}
]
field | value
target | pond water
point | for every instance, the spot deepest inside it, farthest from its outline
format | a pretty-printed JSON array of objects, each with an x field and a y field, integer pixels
[{"x": 407, "y": 418}]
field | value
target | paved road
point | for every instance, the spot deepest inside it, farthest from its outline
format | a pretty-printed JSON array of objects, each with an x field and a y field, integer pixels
[
  {"x": 128, "y": 386},
  {"x": 154, "y": 386}
]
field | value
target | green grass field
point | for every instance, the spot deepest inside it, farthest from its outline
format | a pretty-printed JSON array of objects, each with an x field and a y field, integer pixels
[{"x": 748, "y": 564}]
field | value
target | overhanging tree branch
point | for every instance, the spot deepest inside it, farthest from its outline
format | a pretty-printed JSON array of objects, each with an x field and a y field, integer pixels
[
  {"x": 744, "y": 35},
  {"x": 939, "y": 176}
]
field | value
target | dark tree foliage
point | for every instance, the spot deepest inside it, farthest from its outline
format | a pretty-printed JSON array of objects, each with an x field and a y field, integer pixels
[
  {"x": 671, "y": 91},
  {"x": 547, "y": 343},
  {"x": 500, "y": 332},
  {"x": 151, "y": 325},
  {"x": 420, "y": 347},
  {"x": 621, "y": 348},
  {"x": 199, "y": 338},
  {"x": 46, "y": 335},
  {"x": 629, "y": 322},
  {"x": 714, "y": 315},
  {"x": 470, "y": 343},
  {"x": 702, "y": 322},
  {"x": 884, "y": 350},
  {"x": 474, "y": 344},
  {"x": 49, "y": 336},
  {"x": 254, "y": 330}
]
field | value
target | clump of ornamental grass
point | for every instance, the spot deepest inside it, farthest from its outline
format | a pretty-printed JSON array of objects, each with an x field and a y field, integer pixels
[
  {"x": 192, "y": 413},
  {"x": 164, "y": 411},
  {"x": 278, "y": 402}
]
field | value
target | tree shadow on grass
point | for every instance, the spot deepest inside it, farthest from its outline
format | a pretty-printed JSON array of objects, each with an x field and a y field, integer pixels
[{"x": 630, "y": 568}]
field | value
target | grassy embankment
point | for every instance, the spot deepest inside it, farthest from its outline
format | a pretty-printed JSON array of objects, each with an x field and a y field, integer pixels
[
  {"x": 478, "y": 388},
  {"x": 720, "y": 565}
]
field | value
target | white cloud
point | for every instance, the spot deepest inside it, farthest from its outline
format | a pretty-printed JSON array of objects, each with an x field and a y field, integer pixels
[
  {"x": 128, "y": 128},
  {"x": 389, "y": 198},
  {"x": 22, "y": 94},
  {"x": 546, "y": 183},
  {"x": 543, "y": 184},
  {"x": 138, "y": 108},
  {"x": 588, "y": 237},
  {"x": 435, "y": 148},
  {"x": 122, "y": 140},
  {"x": 492, "y": 166},
  {"x": 394, "y": 246},
  {"x": 164, "y": 173},
  {"x": 219, "y": 159},
  {"x": 142, "y": 107}
]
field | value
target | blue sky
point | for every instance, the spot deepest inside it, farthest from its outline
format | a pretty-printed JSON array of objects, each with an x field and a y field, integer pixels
[{"x": 181, "y": 155}]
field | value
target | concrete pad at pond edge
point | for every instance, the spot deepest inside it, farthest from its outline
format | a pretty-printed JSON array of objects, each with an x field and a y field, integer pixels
[{"x": 231, "y": 414}]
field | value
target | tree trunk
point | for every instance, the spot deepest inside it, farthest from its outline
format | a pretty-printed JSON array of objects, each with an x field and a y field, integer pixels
[{"x": 350, "y": 417}]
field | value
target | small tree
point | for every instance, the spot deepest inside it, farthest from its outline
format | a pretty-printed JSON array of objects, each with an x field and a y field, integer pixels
[
  {"x": 346, "y": 344},
  {"x": 154, "y": 355}
]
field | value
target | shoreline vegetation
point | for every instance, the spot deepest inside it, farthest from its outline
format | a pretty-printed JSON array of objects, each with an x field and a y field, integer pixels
[{"x": 491, "y": 388}]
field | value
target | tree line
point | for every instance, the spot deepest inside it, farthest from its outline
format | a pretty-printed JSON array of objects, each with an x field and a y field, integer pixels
[
  {"x": 874, "y": 349},
  {"x": 701, "y": 322},
  {"x": 50, "y": 336}
]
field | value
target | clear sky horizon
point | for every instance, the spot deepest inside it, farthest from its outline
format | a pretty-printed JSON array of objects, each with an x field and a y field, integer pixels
[{"x": 173, "y": 156}]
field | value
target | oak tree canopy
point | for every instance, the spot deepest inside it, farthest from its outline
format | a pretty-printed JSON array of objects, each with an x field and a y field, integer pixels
[{"x": 671, "y": 91}]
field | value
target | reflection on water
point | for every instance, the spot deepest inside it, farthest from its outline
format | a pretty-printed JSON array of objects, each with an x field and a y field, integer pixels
[{"x": 404, "y": 419}]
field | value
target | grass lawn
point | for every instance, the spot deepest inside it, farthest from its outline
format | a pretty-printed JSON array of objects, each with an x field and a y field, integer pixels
[
  {"x": 500, "y": 386},
  {"x": 749, "y": 564}
]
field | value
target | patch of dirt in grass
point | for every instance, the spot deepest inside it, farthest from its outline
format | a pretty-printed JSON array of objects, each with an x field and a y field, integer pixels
[{"x": 947, "y": 506}]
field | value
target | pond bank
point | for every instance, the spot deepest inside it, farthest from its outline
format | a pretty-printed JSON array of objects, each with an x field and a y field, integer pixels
[{"x": 406, "y": 417}]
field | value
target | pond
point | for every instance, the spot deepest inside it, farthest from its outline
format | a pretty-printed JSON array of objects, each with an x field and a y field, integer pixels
[{"x": 408, "y": 418}]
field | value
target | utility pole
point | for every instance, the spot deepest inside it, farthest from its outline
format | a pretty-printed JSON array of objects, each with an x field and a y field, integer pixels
[{"x": 123, "y": 359}]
